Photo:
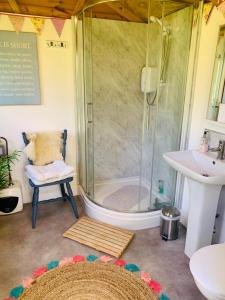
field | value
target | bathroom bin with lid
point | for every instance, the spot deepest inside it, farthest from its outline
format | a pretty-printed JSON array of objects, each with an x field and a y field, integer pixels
[{"x": 169, "y": 227}]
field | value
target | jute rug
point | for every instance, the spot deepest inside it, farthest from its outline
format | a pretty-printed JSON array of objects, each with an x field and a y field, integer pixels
[
  {"x": 88, "y": 278},
  {"x": 100, "y": 236},
  {"x": 89, "y": 281}
]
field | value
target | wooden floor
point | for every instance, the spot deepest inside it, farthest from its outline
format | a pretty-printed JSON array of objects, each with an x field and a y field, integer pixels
[{"x": 100, "y": 236}]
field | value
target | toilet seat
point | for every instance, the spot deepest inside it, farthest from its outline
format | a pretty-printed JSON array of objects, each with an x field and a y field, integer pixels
[{"x": 207, "y": 266}]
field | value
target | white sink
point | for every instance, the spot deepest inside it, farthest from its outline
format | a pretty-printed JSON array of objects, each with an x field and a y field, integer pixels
[
  {"x": 202, "y": 167},
  {"x": 205, "y": 176}
]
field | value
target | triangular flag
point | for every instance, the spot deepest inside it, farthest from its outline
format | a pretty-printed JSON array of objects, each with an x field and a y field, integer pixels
[
  {"x": 217, "y": 2},
  {"x": 195, "y": 17},
  {"x": 221, "y": 8},
  {"x": 17, "y": 22},
  {"x": 208, "y": 8},
  {"x": 38, "y": 24},
  {"x": 58, "y": 24}
]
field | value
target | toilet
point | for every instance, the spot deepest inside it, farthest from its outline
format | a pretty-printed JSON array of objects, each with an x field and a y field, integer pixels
[{"x": 207, "y": 266}]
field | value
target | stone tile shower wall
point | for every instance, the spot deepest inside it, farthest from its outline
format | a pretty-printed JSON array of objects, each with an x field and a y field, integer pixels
[{"x": 118, "y": 53}]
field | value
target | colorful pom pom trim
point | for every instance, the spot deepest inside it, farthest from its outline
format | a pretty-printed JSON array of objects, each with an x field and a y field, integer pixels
[
  {"x": 29, "y": 281},
  {"x": 17, "y": 291},
  {"x": 92, "y": 257},
  {"x": 120, "y": 263},
  {"x": 53, "y": 264}
]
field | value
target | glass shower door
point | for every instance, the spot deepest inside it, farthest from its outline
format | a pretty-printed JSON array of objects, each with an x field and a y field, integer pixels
[
  {"x": 150, "y": 109},
  {"x": 168, "y": 49},
  {"x": 175, "y": 56},
  {"x": 88, "y": 100}
]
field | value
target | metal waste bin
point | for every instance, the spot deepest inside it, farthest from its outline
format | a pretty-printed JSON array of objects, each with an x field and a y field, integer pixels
[{"x": 169, "y": 227}]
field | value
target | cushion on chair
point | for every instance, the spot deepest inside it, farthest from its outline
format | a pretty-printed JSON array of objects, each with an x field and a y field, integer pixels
[
  {"x": 44, "y": 147},
  {"x": 29, "y": 150},
  {"x": 49, "y": 173}
]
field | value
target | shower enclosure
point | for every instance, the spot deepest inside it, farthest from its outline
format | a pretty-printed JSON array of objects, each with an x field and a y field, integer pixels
[{"x": 131, "y": 74}]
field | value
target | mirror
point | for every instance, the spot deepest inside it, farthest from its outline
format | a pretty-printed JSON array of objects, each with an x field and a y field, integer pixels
[{"x": 216, "y": 107}]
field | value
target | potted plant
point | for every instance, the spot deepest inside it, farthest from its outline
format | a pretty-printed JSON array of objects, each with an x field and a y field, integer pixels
[{"x": 6, "y": 160}]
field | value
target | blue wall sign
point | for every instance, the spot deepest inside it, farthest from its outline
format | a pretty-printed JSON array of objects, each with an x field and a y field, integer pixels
[{"x": 19, "y": 73}]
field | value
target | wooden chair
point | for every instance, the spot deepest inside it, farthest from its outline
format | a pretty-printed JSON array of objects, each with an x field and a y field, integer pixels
[{"x": 65, "y": 182}]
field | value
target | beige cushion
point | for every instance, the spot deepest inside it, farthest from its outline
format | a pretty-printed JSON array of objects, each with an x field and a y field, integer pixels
[{"x": 44, "y": 147}]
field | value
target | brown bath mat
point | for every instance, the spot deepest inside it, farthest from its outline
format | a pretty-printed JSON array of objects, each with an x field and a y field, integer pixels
[{"x": 100, "y": 236}]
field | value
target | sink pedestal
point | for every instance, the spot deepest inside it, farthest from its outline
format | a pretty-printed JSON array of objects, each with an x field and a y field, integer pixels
[{"x": 201, "y": 218}]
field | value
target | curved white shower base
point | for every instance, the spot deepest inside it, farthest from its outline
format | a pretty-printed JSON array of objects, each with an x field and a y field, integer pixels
[{"x": 133, "y": 221}]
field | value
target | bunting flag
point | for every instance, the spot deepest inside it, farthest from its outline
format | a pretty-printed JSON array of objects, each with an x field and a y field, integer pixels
[
  {"x": 221, "y": 7},
  {"x": 58, "y": 24},
  {"x": 217, "y": 2},
  {"x": 38, "y": 24},
  {"x": 208, "y": 8},
  {"x": 17, "y": 22},
  {"x": 195, "y": 17}
]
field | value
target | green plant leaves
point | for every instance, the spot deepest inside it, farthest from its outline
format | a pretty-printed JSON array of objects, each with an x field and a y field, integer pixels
[{"x": 6, "y": 161}]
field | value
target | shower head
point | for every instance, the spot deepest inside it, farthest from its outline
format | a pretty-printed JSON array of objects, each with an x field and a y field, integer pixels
[{"x": 165, "y": 29}]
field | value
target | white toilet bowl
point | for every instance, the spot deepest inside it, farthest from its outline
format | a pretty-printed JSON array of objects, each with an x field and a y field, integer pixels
[{"x": 207, "y": 266}]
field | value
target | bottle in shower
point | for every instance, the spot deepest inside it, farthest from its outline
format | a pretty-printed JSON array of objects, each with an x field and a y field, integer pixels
[{"x": 161, "y": 186}]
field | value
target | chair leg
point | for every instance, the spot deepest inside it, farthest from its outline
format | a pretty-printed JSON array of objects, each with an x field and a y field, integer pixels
[
  {"x": 62, "y": 188},
  {"x": 35, "y": 206},
  {"x": 72, "y": 200}
]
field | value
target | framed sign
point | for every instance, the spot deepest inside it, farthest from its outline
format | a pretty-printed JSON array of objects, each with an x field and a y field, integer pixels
[{"x": 19, "y": 73}]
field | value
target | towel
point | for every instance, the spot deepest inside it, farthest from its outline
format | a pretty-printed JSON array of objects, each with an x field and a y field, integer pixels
[{"x": 55, "y": 170}]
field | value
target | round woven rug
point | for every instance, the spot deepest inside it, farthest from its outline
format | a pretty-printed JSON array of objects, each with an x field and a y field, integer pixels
[{"x": 88, "y": 281}]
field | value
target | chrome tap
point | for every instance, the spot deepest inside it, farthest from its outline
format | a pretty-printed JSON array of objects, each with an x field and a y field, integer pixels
[{"x": 220, "y": 149}]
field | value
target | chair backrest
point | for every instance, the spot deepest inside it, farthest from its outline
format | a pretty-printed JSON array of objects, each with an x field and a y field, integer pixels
[{"x": 64, "y": 140}]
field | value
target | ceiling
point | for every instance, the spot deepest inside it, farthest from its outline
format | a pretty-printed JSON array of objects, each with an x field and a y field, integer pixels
[{"x": 128, "y": 10}]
